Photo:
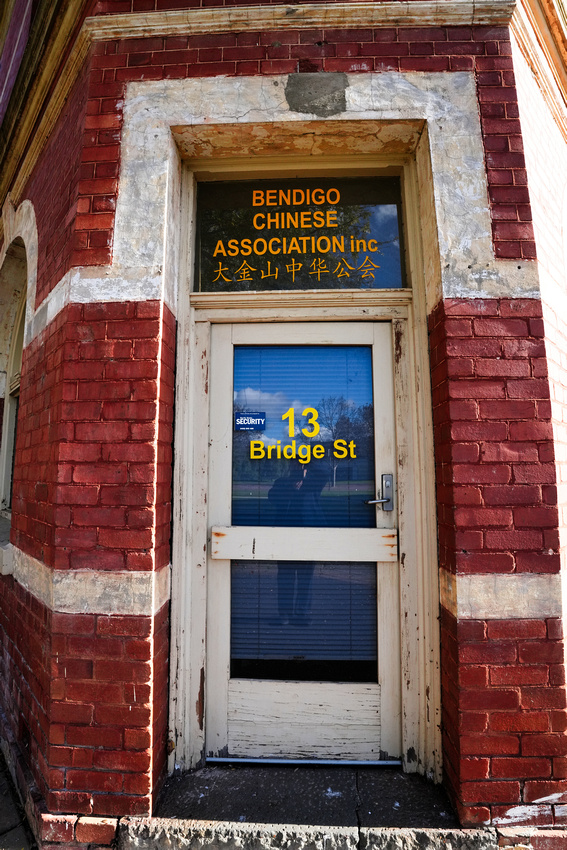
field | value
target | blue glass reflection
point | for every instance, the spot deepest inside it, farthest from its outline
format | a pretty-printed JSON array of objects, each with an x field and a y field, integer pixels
[
  {"x": 303, "y": 620},
  {"x": 313, "y": 462}
]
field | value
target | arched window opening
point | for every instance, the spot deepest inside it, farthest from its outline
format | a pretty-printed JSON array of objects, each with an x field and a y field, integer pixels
[{"x": 13, "y": 302}]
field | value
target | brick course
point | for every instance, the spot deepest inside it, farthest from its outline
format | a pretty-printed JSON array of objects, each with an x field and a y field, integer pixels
[{"x": 493, "y": 438}]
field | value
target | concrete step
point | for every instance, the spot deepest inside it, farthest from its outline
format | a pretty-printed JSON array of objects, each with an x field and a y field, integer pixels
[{"x": 172, "y": 834}]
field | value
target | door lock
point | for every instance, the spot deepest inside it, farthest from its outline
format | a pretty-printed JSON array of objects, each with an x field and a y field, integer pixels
[{"x": 387, "y": 500}]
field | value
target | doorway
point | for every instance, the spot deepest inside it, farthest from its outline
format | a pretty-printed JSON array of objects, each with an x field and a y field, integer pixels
[{"x": 224, "y": 541}]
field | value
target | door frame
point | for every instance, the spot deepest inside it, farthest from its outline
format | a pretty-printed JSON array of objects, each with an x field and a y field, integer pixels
[{"x": 419, "y": 591}]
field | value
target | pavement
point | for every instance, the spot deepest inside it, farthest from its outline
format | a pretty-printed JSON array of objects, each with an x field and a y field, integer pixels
[
  {"x": 316, "y": 796},
  {"x": 15, "y": 833}
]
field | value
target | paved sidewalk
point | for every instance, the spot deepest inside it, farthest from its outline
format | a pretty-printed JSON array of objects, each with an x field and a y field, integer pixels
[{"x": 15, "y": 833}]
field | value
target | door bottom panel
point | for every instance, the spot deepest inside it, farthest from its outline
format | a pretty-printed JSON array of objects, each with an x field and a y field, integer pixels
[{"x": 315, "y": 720}]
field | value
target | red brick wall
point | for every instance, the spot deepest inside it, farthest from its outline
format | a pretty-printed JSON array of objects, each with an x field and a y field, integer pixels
[
  {"x": 25, "y": 670},
  {"x": 513, "y": 720},
  {"x": 100, "y": 166},
  {"x": 90, "y": 491},
  {"x": 93, "y": 486},
  {"x": 53, "y": 189},
  {"x": 35, "y": 512},
  {"x": 81, "y": 693},
  {"x": 503, "y": 689},
  {"x": 99, "y": 740},
  {"x": 496, "y": 488}
]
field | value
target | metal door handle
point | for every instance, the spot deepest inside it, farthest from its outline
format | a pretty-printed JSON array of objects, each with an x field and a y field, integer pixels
[{"x": 388, "y": 493}]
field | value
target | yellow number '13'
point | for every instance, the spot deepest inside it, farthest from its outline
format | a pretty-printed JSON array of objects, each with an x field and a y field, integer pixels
[{"x": 313, "y": 416}]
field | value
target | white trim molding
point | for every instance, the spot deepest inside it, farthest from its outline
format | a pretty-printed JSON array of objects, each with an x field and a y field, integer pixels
[
  {"x": 501, "y": 596},
  {"x": 418, "y": 13},
  {"x": 121, "y": 592},
  {"x": 150, "y": 166}
]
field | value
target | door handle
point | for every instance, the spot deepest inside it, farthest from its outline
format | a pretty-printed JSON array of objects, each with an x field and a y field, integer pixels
[{"x": 387, "y": 501}]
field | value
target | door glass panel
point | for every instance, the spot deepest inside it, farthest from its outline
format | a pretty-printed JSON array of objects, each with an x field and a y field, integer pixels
[
  {"x": 304, "y": 620},
  {"x": 299, "y": 234},
  {"x": 303, "y": 436}
]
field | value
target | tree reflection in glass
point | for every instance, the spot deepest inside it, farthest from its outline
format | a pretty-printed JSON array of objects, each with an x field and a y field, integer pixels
[{"x": 313, "y": 462}]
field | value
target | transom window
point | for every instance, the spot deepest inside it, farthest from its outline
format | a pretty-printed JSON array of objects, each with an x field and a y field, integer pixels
[{"x": 316, "y": 233}]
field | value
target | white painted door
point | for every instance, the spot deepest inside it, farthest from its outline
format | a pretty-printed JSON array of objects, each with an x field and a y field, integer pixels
[{"x": 303, "y": 631}]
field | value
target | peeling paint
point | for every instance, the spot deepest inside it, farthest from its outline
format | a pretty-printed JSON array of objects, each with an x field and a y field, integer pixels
[
  {"x": 134, "y": 592},
  {"x": 398, "y": 344},
  {"x": 523, "y": 815},
  {"x": 515, "y": 596},
  {"x": 201, "y": 700}
]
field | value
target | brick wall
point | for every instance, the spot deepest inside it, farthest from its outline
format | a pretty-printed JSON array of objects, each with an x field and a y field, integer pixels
[
  {"x": 80, "y": 694},
  {"x": 91, "y": 490},
  {"x": 53, "y": 189},
  {"x": 26, "y": 670},
  {"x": 93, "y": 482},
  {"x": 35, "y": 511},
  {"x": 503, "y": 689},
  {"x": 101, "y": 686}
]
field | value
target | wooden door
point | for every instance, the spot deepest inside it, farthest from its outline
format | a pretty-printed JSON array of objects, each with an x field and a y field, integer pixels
[{"x": 303, "y": 631}]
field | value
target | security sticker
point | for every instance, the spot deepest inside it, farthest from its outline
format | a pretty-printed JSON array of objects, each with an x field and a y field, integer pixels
[{"x": 249, "y": 421}]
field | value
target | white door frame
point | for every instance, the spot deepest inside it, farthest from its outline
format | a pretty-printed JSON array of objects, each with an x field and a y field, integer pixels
[{"x": 419, "y": 594}]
